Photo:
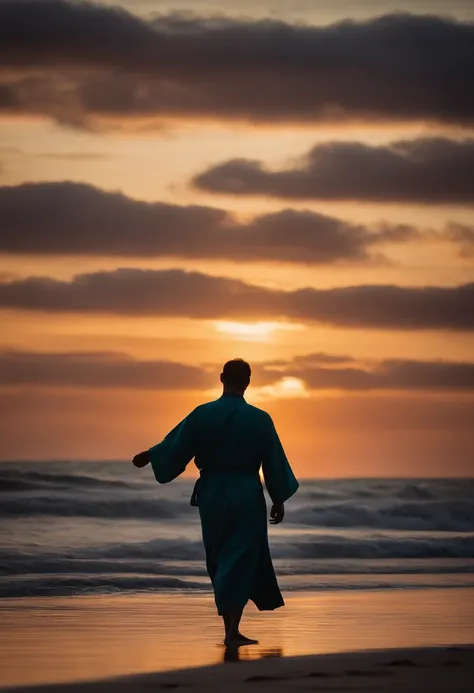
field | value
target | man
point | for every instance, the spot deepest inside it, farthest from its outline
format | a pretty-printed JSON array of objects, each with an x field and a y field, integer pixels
[{"x": 230, "y": 440}]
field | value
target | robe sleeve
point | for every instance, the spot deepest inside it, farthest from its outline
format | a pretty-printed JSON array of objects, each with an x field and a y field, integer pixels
[
  {"x": 279, "y": 479},
  {"x": 170, "y": 457}
]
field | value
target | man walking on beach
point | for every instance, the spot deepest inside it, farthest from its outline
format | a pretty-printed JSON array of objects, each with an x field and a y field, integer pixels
[{"x": 230, "y": 440}]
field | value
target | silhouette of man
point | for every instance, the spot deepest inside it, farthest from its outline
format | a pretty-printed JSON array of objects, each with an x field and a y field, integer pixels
[{"x": 230, "y": 440}]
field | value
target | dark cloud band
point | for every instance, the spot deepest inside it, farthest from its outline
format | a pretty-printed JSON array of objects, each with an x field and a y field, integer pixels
[
  {"x": 77, "y": 219},
  {"x": 98, "y": 370},
  {"x": 421, "y": 171},
  {"x": 76, "y": 61},
  {"x": 194, "y": 295},
  {"x": 113, "y": 370},
  {"x": 395, "y": 374}
]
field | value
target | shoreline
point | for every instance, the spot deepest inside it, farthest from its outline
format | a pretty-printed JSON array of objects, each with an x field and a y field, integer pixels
[
  {"x": 62, "y": 640},
  {"x": 411, "y": 670}
]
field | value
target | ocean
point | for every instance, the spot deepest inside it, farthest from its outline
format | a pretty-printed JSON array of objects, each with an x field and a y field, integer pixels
[{"x": 79, "y": 528}]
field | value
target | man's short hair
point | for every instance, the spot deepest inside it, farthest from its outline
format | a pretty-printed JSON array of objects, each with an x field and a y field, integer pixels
[{"x": 236, "y": 373}]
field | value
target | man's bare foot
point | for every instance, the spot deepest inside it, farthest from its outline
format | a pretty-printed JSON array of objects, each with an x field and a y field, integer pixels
[{"x": 238, "y": 640}]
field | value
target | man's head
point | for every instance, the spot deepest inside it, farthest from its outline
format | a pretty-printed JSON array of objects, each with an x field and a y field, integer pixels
[{"x": 235, "y": 376}]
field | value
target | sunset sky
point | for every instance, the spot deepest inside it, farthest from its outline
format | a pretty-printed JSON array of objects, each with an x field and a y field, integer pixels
[{"x": 290, "y": 182}]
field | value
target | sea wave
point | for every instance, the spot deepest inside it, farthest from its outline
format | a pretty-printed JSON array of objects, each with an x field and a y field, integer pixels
[
  {"x": 77, "y": 528},
  {"x": 427, "y": 515},
  {"x": 26, "y": 479},
  {"x": 32, "y": 586},
  {"x": 314, "y": 546},
  {"x": 405, "y": 547},
  {"x": 24, "y": 565},
  {"x": 140, "y": 508},
  {"x": 186, "y": 557},
  {"x": 65, "y": 585},
  {"x": 115, "y": 493}
]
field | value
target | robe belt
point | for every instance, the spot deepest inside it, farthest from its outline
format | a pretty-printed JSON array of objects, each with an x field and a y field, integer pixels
[{"x": 218, "y": 470}]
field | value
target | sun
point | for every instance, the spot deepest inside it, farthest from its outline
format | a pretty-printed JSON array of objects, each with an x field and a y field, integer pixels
[
  {"x": 254, "y": 331},
  {"x": 285, "y": 388}
]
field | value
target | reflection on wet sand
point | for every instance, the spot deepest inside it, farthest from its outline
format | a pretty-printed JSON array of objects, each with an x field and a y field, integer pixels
[
  {"x": 245, "y": 654},
  {"x": 45, "y": 640}
]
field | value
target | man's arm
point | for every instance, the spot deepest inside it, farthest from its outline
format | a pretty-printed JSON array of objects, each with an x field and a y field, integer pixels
[
  {"x": 279, "y": 478},
  {"x": 170, "y": 457}
]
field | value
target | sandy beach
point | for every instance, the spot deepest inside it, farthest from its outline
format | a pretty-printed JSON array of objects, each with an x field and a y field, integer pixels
[
  {"x": 389, "y": 671},
  {"x": 69, "y": 640}
]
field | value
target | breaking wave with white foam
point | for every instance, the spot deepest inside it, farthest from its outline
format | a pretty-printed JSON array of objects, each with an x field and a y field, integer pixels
[{"x": 75, "y": 528}]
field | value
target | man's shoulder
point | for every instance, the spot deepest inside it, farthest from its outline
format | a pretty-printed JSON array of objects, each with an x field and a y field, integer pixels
[
  {"x": 205, "y": 408},
  {"x": 207, "y": 405},
  {"x": 252, "y": 410},
  {"x": 201, "y": 408},
  {"x": 258, "y": 413}
]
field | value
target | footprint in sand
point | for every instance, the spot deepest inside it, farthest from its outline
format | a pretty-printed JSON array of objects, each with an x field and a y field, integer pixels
[
  {"x": 402, "y": 663},
  {"x": 360, "y": 672},
  {"x": 258, "y": 679}
]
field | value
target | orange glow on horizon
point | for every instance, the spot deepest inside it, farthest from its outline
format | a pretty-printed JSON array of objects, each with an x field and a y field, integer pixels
[{"x": 155, "y": 160}]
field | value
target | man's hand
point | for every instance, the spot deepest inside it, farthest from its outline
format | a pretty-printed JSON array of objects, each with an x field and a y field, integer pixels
[
  {"x": 277, "y": 513},
  {"x": 141, "y": 460}
]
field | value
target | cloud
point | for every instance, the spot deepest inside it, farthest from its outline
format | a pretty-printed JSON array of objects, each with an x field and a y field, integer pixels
[
  {"x": 463, "y": 236},
  {"x": 298, "y": 377},
  {"x": 79, "y": 62},
  {"x": 98, "y": 370},
  {"x": 178, "y": 293},
  {"x": 391, "y": 374},
  {"x": 68, "y": 218},
  {"x": 304, "y": 360},
  {"x": 421, "y": 171},
  {"x": 75, "y": 218},
  {"x": 75, "y": 156}
]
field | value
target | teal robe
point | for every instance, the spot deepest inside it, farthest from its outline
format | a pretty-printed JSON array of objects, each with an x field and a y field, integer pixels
[{"x": 230, "y": 440}]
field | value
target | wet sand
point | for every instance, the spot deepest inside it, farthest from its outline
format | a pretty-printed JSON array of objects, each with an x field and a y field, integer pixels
[
  {"x": 422, "y": 670},
  {"x": 71, "y": 639}
]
